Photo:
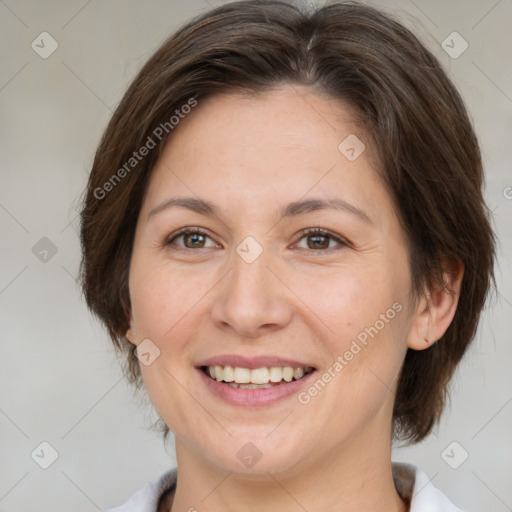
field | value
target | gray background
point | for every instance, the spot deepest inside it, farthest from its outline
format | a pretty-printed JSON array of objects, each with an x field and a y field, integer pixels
[{"x": 59, "y": 380}]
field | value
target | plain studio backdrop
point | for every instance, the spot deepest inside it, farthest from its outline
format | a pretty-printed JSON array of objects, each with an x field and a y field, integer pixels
[{"x": 64, "y": 67}]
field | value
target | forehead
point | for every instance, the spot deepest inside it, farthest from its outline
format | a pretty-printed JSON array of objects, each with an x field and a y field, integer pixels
[
  {"x": 253, "y": 149},
  {"x": 291, "y": 117}
]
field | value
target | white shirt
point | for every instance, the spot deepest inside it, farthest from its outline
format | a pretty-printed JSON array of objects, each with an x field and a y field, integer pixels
[{"x": 411, "y": 483}]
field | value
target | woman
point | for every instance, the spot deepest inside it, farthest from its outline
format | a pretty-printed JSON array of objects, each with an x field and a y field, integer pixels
[{"x": 284, "y": 234}]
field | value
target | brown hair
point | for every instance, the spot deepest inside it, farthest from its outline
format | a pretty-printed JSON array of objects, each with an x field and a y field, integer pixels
[{"x": 428, "y": 156}]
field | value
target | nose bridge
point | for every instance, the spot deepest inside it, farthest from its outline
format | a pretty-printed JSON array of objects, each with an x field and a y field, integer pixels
[
  {"x": 251, "y": 275},
  {"x": 252, "y": 297},
  {"x": 250, "y": 280}
]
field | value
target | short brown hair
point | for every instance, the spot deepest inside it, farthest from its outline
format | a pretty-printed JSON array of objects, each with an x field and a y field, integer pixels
[{"x": 428, "y": 155}]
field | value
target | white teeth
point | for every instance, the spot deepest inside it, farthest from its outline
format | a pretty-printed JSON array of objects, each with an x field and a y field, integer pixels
[
  {"x": 260, "y": 377},
  {"x": 288, "y": 373},
  {"x": 242, "y": 375},
  {"x": 248, "y": 386},
  {"x": 229, "y": 374},
  {"x": 276, "y": 374}
]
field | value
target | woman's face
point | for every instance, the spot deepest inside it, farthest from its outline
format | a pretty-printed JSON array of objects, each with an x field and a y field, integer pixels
[{"x": 255, "y": 291}]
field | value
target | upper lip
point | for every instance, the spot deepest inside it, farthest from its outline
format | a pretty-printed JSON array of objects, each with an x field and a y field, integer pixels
[{"x": 252, "y": 362}]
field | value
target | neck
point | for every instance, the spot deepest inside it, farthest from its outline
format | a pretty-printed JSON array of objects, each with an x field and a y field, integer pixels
[{"x": 353, "y": 477}]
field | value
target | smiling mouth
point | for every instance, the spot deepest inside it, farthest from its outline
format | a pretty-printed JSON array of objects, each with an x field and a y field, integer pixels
[{"x": 257, "y": 378}]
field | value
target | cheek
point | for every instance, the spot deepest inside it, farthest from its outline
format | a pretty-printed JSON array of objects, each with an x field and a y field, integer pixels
[
  {"x": 348, "y": 300},
  {"x": 162, "y": 297},
  {"x": 165, "y": 304},
  {"x": 362, "y": 314}
]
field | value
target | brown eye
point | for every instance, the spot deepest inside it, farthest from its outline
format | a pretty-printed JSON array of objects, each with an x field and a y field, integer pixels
[
  {"x": 192, "y": 239},
  {"x": 319, "y": 240}
]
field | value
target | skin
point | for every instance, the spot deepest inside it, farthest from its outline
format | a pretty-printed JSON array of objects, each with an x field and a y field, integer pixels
[{"x": 251, "y": 156}]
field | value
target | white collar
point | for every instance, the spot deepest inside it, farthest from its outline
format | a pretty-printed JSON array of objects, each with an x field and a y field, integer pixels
[{"x": 414, "y": 485}]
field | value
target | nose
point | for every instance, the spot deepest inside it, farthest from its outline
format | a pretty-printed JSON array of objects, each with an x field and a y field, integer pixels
[{"x": 251, "y": 300}]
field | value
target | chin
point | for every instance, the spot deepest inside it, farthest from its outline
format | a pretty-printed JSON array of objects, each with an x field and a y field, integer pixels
[
  {"x": 252, "y": 457},
  {"x": 260, "y": 466}
]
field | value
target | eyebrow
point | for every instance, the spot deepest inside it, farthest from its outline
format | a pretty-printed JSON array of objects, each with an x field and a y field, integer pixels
[{"x": 293, "y": 209}]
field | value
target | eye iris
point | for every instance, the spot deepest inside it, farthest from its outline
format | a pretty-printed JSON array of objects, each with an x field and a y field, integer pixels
[
  {"x": 195, "y": 238},
  {"x": 323, "y": 241}
]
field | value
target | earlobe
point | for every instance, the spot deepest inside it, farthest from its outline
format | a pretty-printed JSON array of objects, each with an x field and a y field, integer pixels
[
  {"x": 436, "y": 309},
  {"x": 131, "y": 333},
  {"x": 131, "y": 336}
]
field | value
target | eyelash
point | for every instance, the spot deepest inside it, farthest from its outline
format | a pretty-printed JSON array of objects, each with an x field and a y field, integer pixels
[{"x": 307, "y": 232}]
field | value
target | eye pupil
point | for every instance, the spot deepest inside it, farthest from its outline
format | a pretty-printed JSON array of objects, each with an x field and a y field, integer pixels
[
  {"x": 195, "y": 238},
  {"x": 318, "y": 239}
]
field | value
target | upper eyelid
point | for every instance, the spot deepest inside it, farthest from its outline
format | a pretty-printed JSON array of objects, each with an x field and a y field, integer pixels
[
  {"x": 321, "y": 231},
  {"x": 185, "y": 231}
]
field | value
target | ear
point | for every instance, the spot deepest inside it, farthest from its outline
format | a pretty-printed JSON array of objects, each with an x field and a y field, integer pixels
[
  {"x": 131, "y": 334},
  {"x": 436, "y": 309}
]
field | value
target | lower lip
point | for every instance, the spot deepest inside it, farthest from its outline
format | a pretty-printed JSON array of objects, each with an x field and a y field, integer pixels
[{"x": 254, "y": 397}]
